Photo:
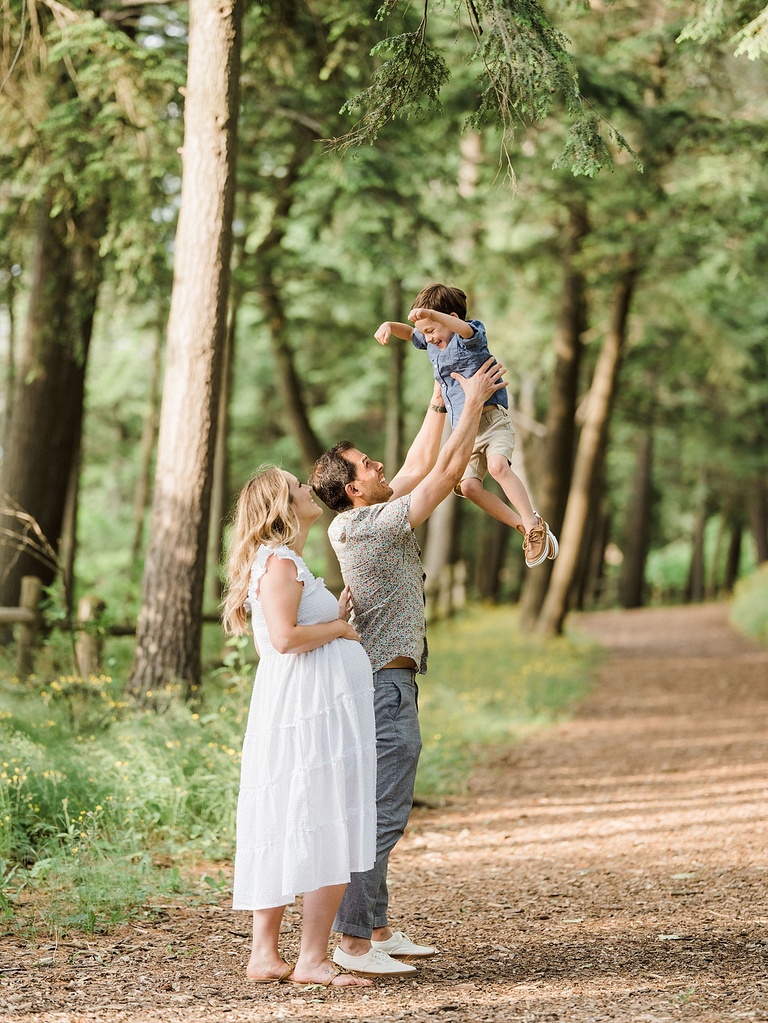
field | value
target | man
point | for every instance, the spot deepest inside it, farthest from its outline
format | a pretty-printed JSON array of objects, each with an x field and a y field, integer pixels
[{"x": 380, "y": 561}]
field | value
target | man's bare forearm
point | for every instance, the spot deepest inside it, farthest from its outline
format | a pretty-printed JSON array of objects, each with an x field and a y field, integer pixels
[{"x": 424, "y": 449}]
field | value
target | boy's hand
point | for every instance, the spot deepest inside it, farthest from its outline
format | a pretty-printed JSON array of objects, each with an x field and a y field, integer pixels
[
  {"x": 384, "y": 333},
  {"x": 418, "y": 313}
]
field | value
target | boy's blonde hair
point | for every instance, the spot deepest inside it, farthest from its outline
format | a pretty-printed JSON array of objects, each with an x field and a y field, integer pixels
[
  {"x": 263, "y": 516},
  {"x": 443, "y": 299}
]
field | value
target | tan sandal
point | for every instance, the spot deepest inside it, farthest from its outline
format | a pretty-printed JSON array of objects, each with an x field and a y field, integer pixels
[
  {"x": 272, "y": 980},
  {"x": 336, "y": 972}
]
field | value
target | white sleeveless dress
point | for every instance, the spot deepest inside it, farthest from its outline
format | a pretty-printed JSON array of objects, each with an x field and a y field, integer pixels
[{"x": 306, "y": 813}]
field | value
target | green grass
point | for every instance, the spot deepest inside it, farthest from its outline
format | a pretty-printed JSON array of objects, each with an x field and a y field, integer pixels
[
  {"x": 489, "y": 685},
  {"x": 98, "y": 800},
  {"x": 749, "y": 611}
]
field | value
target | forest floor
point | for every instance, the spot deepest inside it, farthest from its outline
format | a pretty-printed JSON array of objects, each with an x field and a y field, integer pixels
[{"x": 614, "y": 868}]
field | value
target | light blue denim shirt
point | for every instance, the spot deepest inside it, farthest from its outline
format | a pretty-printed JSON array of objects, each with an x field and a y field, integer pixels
[{"x": 464, "y": 355}]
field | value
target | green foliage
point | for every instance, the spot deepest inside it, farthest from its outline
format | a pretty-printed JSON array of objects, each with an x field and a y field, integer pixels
[
  {"x": 585, "y": 150},
  {"x": 72, "y": 805},
  {"x": 95, "y": 797},
  {"x": 749, "y": 612},
  {"x": 745, "y": 21},
  {"x": 411, "y": 76},
  {"x": 526, "y": 69},
  {"x": 88, "y": 116}
]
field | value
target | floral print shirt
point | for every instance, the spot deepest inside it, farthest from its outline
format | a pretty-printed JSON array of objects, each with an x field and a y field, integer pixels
[{"x": 381, "y": 563}]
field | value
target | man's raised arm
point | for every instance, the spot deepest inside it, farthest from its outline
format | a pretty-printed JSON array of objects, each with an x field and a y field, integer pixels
[
  {"x": 422, "y": 454},
  {"x": 452, "y": 460}
]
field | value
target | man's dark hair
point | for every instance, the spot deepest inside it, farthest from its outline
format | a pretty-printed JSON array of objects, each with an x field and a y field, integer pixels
[
  {"x": 443, "y": 299},
  {"x": 330, "y": 475}
]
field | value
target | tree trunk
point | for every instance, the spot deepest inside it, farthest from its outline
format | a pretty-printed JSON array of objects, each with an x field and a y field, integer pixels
[
  {"x": 170, "y": 620},
  {"x": 590, "y": 584},
  {"x": 147, "y": 447},
  {"x": 288, "y": 380},
  {"x": 713, "y": 585},
  {"x": 638, "y": 527},
  {"x": 439, "y": 552},
  {"x": 68, "y": 548},
  {"x": 44, "y": 433},
  {"x": 10, "y": 365},
  {"x": 554, "y": 467},
  {"x": 394, "y": 446},
  {"x": 220, "y": 489},
  {"x": 591, "y": 444},
  {"x": 492, "y": 552},
  {"x": 758, "y": 515},
  {"x": 694, "y": 592},
  {"x": 733, "y": 556},
  {"x": 440, "y": 558}
]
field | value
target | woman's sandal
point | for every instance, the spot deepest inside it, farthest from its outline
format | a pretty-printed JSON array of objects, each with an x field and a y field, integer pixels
[
  {"x": 336, "y": 972},
  {"x": 271, "y": 980}
]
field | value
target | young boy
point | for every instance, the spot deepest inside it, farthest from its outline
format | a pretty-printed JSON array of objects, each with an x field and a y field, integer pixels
[{"x": 457, "y": 345}]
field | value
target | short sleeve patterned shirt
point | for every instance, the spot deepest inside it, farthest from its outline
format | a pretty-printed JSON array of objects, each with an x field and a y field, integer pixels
[{"x": 381, "y": 563}]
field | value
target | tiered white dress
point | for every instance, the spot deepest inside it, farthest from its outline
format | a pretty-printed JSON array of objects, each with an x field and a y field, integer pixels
[{"x": 306, "y": 813}]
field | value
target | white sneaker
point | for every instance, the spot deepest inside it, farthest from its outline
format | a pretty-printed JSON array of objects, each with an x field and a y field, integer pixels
[
  {"x": 373, "y": 964},
  {"x": 401, "y": 945}
]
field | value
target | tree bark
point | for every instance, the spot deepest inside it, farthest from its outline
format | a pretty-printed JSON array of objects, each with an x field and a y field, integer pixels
[
  {"x": 43, "y": 435},
  {"x": 265, "y": 259},
  {"x": 591, "y": 443},
  {"x": 147, "y": 446},
  {"x": 394, "y": 445},
  {"x": 492, "y": 551},
  {"x": 694, "y": 592},
  {"x": 555, "y": 466},
  {"x": 589, "y": 585},
  {"x": 733, "y": 556},
  {"x": 220, "y": 488},
  {"x": 289, "y": 382},
  {"x": 758, "y": 516},
  {"x": 638, "y": 527},
  {"x": 10, "y": 365},
  {"x": 440, "y": 558},
  {"x": 170, "y": 620}
]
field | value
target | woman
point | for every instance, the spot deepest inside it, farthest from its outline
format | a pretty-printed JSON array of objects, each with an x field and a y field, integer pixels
[{"x": 306, "y": 815}]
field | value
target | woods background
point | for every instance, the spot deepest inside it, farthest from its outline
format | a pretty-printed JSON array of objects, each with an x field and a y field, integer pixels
[{"x": 207, "y": 209}]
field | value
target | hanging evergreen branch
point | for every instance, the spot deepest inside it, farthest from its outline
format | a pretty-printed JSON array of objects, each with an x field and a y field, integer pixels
[
  {"x": 412, "y": 75},
  {"x": 717, "y": 19},
  {"x": 526, "y": 71}
]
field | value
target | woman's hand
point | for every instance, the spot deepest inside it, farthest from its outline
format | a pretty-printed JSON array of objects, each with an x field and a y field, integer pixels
[{"x": 348, "y": 631}]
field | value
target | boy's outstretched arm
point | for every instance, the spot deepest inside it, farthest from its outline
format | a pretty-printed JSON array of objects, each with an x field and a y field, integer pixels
[
  {"x": 402, "y": 330},
  {"x": 449, "y": 320}
]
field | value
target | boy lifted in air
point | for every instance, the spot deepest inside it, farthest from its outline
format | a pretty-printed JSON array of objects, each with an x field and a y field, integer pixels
[{"x": 459, "y": 346}]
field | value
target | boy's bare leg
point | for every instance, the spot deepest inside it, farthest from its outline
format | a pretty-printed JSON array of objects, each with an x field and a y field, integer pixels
[
  {"x": 514, "y": 489},
  {"x": 474, "y": 490}
]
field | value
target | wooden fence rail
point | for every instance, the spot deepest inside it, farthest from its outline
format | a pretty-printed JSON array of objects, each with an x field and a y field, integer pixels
[{"x": 89, "y": 642}]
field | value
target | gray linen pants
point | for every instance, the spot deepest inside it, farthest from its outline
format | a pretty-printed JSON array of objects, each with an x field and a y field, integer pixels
[{"x": 398, "y": 745}]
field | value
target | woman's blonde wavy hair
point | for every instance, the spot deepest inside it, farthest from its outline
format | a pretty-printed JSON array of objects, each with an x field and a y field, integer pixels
[{"x": 263, "y": 516}]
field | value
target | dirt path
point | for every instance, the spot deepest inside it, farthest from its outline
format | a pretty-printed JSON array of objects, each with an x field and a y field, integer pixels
[{"x": 614, "y": 869}]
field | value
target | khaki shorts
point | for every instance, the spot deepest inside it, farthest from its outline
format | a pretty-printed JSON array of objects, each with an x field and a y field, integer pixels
[{"x": 495, "y": 436}]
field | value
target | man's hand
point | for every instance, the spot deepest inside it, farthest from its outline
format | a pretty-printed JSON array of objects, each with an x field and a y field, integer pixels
[{"x": 485, "y": 382}]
